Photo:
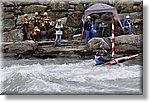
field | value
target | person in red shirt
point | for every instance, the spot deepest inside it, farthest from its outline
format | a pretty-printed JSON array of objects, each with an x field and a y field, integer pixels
[
  {"x": 25, "y": 24},
  {"x": 35, "y": 35}
]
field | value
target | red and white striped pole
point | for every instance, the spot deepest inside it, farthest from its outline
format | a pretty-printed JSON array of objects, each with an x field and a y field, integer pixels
[{"x": 113, "y": 38}]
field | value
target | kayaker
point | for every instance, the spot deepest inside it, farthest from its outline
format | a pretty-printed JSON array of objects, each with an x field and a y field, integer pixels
[{"x": 99, "y": 57}]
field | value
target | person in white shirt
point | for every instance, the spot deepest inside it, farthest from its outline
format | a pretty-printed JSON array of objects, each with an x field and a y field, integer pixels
[{"x": 59, "y": 32}]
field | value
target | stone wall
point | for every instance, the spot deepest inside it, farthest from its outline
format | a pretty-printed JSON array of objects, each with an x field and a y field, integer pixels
[{"x": 70, "y": 11}]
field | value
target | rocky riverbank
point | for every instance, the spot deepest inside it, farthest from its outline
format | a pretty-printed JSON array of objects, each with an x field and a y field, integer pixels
[
  {"x": 71, "y": 13},
  {"x": 72, "y": 49}
]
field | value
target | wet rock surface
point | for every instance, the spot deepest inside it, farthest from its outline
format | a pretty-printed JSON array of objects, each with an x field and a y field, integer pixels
[
  {"x": 14, "y": 35},
  {"x": 34, "y": 8},
  {"x": 73, "y": 48},
  {"x": 60, "y": 6},
  {"x": 8, "y": 24},
  {"x": 127, "y": 43},
  {"x": 95, "y": 43}
]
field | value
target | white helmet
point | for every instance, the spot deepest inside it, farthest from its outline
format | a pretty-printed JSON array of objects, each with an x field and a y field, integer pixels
[
  {"x": 127, "y": 16},
  {"x": 88, "y": 17},
  {"x": 59, "y": 20}
]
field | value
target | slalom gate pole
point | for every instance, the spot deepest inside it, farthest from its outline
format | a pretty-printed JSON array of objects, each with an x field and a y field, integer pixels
[{"x": 113, "y": 39}]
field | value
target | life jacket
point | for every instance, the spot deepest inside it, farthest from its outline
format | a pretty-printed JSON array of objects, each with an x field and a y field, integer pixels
[
  {"x": 87, "y": 25},
  {"x": 47, "y": 20},
  {"x": 99, "y": 60},
  {"x": 35, "y": 32},
  {"x": 37, "y": 19}
]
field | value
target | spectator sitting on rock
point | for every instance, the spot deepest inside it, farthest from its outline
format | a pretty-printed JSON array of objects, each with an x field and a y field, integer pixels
[
  {"x": 127, "y": 24},
  {"x": 35, "y": 35},
  {"x": 25, "y": 24}
]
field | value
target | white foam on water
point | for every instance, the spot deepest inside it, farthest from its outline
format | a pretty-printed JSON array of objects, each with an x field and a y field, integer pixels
[{"x": 73, "y": 77}]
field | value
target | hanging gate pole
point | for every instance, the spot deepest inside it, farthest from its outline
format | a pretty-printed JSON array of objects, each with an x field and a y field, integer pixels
[{"x": 113, "y": 39}]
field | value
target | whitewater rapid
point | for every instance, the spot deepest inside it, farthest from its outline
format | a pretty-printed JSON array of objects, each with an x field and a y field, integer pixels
[{"x": 71, "y": 76}]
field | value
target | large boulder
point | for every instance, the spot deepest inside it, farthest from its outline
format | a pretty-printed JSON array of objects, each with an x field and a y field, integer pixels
[
  {"x": 79, "y": 7},
  {"x": 127, "y": 9},
  {"x": 8, "y": 24},
  {"x": 7, "y": 3},
  {"x": 57, "y": 15},
  {"x": 68, "y": 32},
  {"x": 18, "y": 47},
  {"x": 8, "y": 15},
  {"x": 96, "y": 42},
  {"x": 124, "y": 6},
  {"x": 8, "y": 9},
  {"x": 34, "y": 8},
  {"x": 14, "y": 35},
  {"x": 133, "y": 15},
  {"x": 60, "y": 6},
  {"x": 138, "y": 8},
  {"x": 74, "y": 20},
  {"x": 126, "y": 43}
]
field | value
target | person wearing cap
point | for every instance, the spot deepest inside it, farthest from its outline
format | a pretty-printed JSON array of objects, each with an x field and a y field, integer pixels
[
  {"x": 87, "y": 29},
  {"x": 59, "y": 32},
  {"x": 36, "y": 19},
  {"x": 99, "y": 57},
  {"x": 35, "y": 34},
  {"x": 25, "y": 24},
  {"x": 127, "y": 24},
  {"x": 46, "y": 23}
]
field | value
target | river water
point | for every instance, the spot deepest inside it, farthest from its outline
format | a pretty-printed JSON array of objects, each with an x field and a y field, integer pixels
[{"x": 69, "y": 76}]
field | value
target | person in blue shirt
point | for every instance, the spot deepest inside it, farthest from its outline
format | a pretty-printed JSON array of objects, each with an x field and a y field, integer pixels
[
  {"x": 87, "y": 29},
  {"x": 99, "y": 59},
  {"x": 127, "y": 24},
  {"x": 93, "y": 28}
]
